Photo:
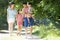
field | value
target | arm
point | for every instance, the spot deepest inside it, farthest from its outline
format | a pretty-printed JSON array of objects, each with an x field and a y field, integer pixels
[
  {"x": 7, "y": 14},
  {"x": 33, "y": 16},
  {"x": 23, "y": 11},
  {"x": 16, "y": 16}
]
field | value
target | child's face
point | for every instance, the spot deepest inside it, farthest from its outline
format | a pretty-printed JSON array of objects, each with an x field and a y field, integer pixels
[
  {"x": 20, "y": 12},
  {"x": 25, "y": 5},
  {"x": 28, "y": 5}
]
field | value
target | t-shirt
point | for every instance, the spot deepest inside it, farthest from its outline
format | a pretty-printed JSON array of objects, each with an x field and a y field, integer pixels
[
  {"x": 25, "y": 10},
  {"x": 11, "y": 13},
  {"x": 19, "y": 17},
  {"x": 30, "y": 10}
]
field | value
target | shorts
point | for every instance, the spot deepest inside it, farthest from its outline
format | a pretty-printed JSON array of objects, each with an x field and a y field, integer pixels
[
  {"x": 11, "y": 20},
  {"x": 25, "y": 22},
  {"x": 19, "y": 23},
  {"x": 31, "y": 21}
]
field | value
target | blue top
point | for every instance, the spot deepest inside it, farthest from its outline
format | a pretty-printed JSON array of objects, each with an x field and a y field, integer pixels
[{"x": 11, "y": 13}]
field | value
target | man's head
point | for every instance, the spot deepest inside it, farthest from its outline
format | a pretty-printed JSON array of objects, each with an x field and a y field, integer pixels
[{"x": 11, "y": 4}]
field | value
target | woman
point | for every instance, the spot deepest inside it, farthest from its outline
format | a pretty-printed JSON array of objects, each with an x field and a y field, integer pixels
[{"x": 11, "y": 12}]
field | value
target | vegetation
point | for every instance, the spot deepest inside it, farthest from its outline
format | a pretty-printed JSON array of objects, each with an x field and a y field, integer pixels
[{"x": 46, "y": 11}]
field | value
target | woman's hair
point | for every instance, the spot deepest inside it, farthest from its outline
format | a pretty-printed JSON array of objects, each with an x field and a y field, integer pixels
[{"x": 11, "y": 3}]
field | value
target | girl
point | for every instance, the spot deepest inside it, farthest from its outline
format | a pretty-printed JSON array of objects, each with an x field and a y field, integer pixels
[{"x": 19, "y": 18}]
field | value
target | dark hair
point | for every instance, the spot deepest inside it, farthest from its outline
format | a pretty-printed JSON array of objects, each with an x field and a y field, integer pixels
[
  {"x": 10, "y": 3},
  {"x": 19, "y": 10},
  {"x": 30, "y": 3}
]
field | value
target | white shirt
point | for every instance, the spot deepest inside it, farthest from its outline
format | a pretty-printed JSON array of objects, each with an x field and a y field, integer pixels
[{"x": 11, "y": 13}]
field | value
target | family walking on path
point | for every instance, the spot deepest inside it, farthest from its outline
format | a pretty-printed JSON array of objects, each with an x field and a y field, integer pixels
[{"x": 21, "y": 16}]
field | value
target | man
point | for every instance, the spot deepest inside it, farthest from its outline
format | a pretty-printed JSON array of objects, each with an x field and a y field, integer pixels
[
  {"x": 31, "y": 18},
  {"x": 28, "y": 19},
  {"x": 25, "y": 12}
]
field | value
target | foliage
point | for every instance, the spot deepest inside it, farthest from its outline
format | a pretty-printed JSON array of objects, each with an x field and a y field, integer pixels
[
  {"x": 43, "y": 31},
  {"x": 43, "y": 9}
]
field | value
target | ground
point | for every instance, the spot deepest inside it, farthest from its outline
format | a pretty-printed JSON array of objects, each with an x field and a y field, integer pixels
[{"x": 4, "y": 35}]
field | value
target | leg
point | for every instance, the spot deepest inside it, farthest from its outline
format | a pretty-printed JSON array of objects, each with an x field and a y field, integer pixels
[
  {"x": 31, "y": 30},
  {"x": 26, "y": 25},
  {"x": 10, "y": 28},
  {"x": 19, "y": 28},
  {"x": 26, "y": 30},
  {"x": 31, "y": 24}
]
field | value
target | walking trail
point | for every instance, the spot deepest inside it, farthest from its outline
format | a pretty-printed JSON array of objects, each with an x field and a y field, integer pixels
[{"x": 4, "y": 35}]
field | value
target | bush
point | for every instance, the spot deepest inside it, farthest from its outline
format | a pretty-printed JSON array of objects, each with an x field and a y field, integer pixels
[{"x": 43, "y": 30}]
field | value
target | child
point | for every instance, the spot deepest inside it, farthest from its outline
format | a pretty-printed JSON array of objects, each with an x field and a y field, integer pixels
[
  {"x": 19, "y": 18},
  {"x": 30, "y": 7}
]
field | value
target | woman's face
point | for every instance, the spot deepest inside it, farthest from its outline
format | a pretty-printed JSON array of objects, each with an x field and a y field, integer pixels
[
  {"x": 24, "y": 5},
  {"x": 12, "y": 6}
]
